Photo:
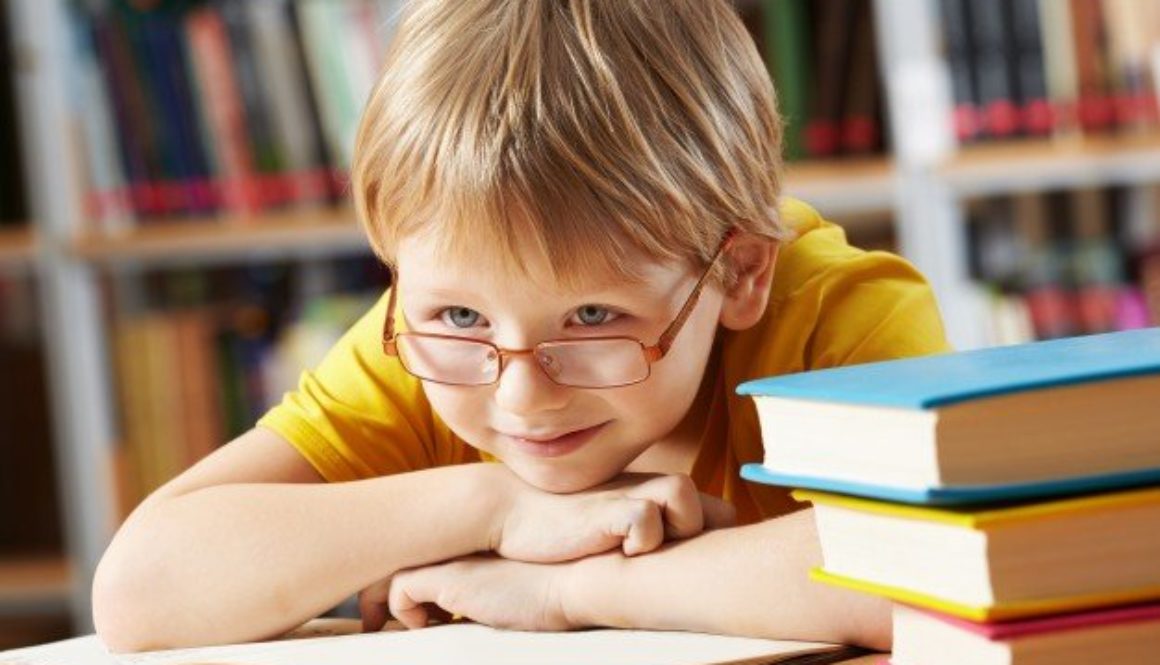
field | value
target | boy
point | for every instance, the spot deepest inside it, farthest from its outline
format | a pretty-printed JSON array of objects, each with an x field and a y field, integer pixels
[{"x": 580, "y": 202}]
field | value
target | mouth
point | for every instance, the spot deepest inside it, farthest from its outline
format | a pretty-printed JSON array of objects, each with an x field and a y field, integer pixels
[{"x": 554, "y": 445}]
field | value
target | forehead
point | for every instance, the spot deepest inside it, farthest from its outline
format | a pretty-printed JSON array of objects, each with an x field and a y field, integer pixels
[{"x": 426, "y": 262}]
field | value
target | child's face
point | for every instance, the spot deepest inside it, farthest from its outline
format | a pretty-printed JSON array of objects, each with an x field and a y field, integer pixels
[{"x": 597, "y": 432}]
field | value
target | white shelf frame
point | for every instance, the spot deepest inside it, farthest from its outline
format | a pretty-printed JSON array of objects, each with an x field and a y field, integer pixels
[{"x": 78, "y": 375}]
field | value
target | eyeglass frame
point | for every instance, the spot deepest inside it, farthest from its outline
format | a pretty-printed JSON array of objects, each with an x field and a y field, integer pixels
[{"x": 652, "y": 354}]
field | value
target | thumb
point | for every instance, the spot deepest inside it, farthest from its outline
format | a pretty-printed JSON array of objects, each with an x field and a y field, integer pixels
[
  {"x": 372, "y": 605},
  {"x": 719, "y": 514}
]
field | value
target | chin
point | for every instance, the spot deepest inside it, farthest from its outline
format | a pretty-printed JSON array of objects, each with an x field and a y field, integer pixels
[{"x": 556, "y": 482}]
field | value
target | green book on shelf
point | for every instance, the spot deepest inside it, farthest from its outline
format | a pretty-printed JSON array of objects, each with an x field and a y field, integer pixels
[{"x": 787, "y": 47}]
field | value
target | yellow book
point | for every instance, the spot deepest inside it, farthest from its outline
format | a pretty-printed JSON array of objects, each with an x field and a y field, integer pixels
[{"x": 994, "y": 563}]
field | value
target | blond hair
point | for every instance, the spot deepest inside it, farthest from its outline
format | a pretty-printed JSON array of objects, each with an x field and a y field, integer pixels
[{"x": 596, "y": 130}]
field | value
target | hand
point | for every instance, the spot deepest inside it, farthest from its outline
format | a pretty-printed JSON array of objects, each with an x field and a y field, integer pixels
[
  {"x": 486, "y": 589},
  {"x": 635, "y": 513}
]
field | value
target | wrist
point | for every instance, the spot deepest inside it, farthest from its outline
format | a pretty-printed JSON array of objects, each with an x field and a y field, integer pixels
[
  {"x": 491, "y": 490},
  {"x": 588, "y": 591}
]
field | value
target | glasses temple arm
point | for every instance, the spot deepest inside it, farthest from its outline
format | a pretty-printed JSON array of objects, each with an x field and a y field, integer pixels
[
  {"x": 389, "y": 321},
  {"x": 665, "y": 341}
]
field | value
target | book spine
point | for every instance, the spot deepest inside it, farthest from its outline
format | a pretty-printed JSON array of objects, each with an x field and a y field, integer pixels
[
  {"x": 169, "y": 109},
  {"x": 1059, "y": 64},
  {"x": 1130, "y": 34},
  {"x": 861, "y": 124},
  {"x": 787, "y": 33},
  {"x": 993, "y": 53},
  {"x": 271, "y": 186},
  {"x": 1095, "y": 110},
  {"x": 280, "y": 71},
  {"x": 1035, "y": 111},
  {"x": 960, "y": 60},
  {"x": 325, "y": 172},
  {"x": 1096, "y": 263},
  {"x": 833, "y": 25},
  {"x": 187, "y": 116},
  {"x": 107, "y": 205},
  {"x": 211, "y": 57},
  {"x": 108, "y": 36},
  {"x": 162, "y": 158}
]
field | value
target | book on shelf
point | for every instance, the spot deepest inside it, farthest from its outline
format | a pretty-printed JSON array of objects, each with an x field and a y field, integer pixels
[
  {"x": 339, "y": 641},
  {"x": 1064, "y": 263},
  {"x": 227, "y": 107},
  {"x": 1117, "y": 636},
  {"x": 860, "y": 127},
  {"x": 833, "y": 28},
  {"x": 823, "y": 62},
  {"x": 996, "y": 423},
  {"x": 787, "y": 39},
  {"x": 200, "y": 356},
  {"x": 1029, "y": 73},
  {"x": 993, "y": 50},
  {"x": 1036, "y": 67},
  {"x": 13, "y": 200},
  {"x": 988, "y": 563}
]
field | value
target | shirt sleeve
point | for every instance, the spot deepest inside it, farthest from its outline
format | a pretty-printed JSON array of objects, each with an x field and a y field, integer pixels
[{"x": 360, "y": 415}]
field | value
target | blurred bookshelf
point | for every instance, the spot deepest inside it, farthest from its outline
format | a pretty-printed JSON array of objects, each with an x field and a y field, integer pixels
[
  {"x": 41, "y": 584},
  {"x": 189, "y": 191},
  {"x": 17, "y": 246},
  {"x": 1044, "y": 163},
  {"x": 225, "y": 239}
]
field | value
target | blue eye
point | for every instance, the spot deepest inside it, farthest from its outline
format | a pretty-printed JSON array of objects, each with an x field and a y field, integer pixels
[
  {"x": 459, "y": 317},
  {"x": 593, "y": 315}
]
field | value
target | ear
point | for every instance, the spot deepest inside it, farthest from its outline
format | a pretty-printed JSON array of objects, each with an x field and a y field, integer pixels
[{"x": 753, "y": 258}]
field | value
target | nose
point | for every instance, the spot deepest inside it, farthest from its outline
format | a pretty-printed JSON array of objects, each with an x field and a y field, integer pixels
[{"x": 524, "y": 388}]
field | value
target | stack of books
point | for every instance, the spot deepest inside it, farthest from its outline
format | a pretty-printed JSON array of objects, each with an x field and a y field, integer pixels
[{"x": 1006, "y": 498}]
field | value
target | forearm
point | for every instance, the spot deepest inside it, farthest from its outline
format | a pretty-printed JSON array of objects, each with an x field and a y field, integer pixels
[
  {"x": 750, "y": 581},
  {"x": 245, "y": 561}
]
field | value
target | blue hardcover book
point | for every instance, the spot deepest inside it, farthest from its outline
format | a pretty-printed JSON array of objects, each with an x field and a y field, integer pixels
[{"x": 1018, "y": 422}]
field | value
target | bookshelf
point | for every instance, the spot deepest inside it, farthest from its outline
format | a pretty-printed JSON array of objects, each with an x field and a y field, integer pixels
[
  {"x": 35, "y": 584},
  {"x": 920, "y": 188},
  {"x": 857, "y": 188},
  {"x": 226, "y": 239},
  {"x": 1044, "y": 164},
  {"x": 17, "y": 246}
]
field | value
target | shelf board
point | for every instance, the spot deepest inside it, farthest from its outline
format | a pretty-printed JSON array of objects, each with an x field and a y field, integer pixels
[
  {"x": 849, "y": 185},
  {"x": 17, "y": 245},
  {"x": 1057, "y": 163},
  {"x": 34, "y": 584},
  {"x": 221, "y": 239}
]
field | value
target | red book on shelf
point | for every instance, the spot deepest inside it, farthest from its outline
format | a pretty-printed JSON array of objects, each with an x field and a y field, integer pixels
[
  {"x": 1095, "y": 108},
  {"x": 222, "y": 105}
]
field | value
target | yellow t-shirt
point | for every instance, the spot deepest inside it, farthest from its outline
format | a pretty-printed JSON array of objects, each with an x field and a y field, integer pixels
[{"x": 359, "y": 415}]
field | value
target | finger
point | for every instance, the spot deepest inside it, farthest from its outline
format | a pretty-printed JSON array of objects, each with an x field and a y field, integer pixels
[
  {"x": 437, "y": 615},
  {"x": 407, "y": 600},
  {"x": 719, "y": 514},
  {"x": 372, "y": 605},
  {"x": 640, "y": 526},
  {"x": 677, "y": 497}
]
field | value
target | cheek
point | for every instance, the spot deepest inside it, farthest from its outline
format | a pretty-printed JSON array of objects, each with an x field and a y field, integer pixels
[
  {"x": 658, "y": 404},
  {"x": 461, "y": 408}
]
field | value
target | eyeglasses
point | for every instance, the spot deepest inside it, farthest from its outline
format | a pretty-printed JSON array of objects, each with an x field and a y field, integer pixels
[{"x": 590, "y": 362}]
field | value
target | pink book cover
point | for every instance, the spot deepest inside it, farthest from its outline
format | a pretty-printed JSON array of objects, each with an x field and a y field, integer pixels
[{"x": 1003, "y": 630}]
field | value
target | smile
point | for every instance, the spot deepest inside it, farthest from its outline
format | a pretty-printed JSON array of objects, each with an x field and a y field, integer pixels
[{"x": 556, "y": 446}]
